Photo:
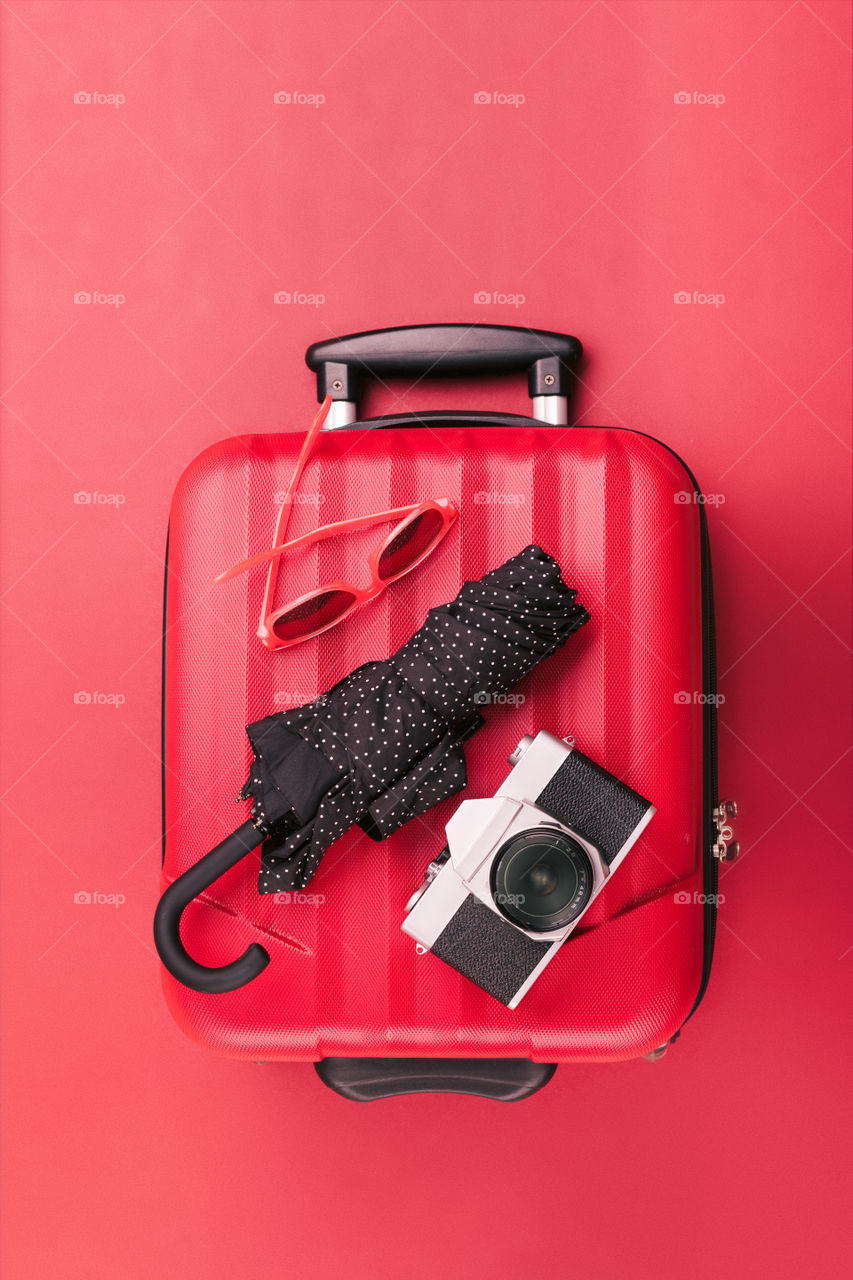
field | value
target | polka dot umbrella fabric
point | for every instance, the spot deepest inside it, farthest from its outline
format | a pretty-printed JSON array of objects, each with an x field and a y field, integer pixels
[{"x": 385, "y": 743}]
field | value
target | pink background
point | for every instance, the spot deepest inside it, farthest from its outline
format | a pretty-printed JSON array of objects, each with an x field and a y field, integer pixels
[{"x": 399, "y": 198}]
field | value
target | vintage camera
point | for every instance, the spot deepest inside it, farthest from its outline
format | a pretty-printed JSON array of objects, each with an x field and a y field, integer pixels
[{"x": 522, "y": 867}]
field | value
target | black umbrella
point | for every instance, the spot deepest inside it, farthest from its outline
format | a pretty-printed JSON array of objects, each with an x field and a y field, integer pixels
[{"x": 381, "y": 746}]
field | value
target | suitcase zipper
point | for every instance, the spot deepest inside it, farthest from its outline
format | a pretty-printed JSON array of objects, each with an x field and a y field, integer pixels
[
  {"x": 726, "y": 848},
  {"x": 711, "y": 867},
  {"x": 718, "y": 845}
]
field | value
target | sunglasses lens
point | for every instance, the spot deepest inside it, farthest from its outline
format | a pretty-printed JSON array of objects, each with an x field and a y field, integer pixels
[
  {"x": 410, "y": 543},
  {"x": 312, "y": 615}
]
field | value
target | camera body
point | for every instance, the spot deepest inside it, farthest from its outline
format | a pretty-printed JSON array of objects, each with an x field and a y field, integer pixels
[{"x": 522, "y": 867}]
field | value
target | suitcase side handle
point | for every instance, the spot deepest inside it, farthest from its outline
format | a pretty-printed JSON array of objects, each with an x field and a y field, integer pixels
[
  {"x": 417, "y": 349},
  {"x": 370, "y": 1079},
  {"x": 167, "y": 920}
]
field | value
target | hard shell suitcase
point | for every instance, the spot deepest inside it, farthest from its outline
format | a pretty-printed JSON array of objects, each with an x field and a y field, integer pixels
[{"x": 635, "y": 687}]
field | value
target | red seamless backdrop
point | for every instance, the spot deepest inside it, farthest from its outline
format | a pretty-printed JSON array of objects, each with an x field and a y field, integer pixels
[{"x": 192, "y": 193}]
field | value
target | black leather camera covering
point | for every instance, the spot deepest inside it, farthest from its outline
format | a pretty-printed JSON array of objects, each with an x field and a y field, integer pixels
[
  {"x": 592, "y": 802},
  {"x": 488, "y": 950}
]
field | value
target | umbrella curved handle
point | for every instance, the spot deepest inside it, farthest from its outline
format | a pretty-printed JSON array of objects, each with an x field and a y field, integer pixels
[{"x": 167, "y": 920}]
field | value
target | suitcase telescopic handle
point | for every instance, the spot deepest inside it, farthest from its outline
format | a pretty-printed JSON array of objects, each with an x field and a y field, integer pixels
[
  {"x": 421, "y": 349},
  {"x": 167, "y": 920}
]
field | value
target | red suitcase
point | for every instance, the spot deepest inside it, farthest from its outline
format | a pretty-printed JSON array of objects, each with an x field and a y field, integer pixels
[{"x": 622, "y": 514}]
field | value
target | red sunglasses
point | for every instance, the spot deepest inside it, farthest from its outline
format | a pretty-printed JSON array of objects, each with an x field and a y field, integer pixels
[{"x": 419, "y": 530}]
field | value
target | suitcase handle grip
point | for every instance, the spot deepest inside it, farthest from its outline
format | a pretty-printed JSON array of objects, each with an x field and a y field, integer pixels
[
  {"x": 369, "y": 1079},
  {"x": 167, "y": 920},
  {"x": 444, "y": 349}
]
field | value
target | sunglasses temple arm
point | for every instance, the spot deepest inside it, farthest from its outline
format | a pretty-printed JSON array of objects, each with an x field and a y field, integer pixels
[
  {"x": 316, "y": 535},
  {"x": 283, "y": 517}
]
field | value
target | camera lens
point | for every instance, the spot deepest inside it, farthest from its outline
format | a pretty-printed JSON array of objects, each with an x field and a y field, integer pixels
[{"x": 541, "y": 879}]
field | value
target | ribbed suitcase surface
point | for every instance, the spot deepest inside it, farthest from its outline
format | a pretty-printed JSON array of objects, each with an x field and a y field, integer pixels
[{"x": 617, "y": 510}]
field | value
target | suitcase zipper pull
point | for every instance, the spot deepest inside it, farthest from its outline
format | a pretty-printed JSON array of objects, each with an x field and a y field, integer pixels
[{"x": 725, "y": 847}]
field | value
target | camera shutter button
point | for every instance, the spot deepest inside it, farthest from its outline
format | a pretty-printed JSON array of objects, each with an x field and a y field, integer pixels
[{"x": 520, "y": 750}]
